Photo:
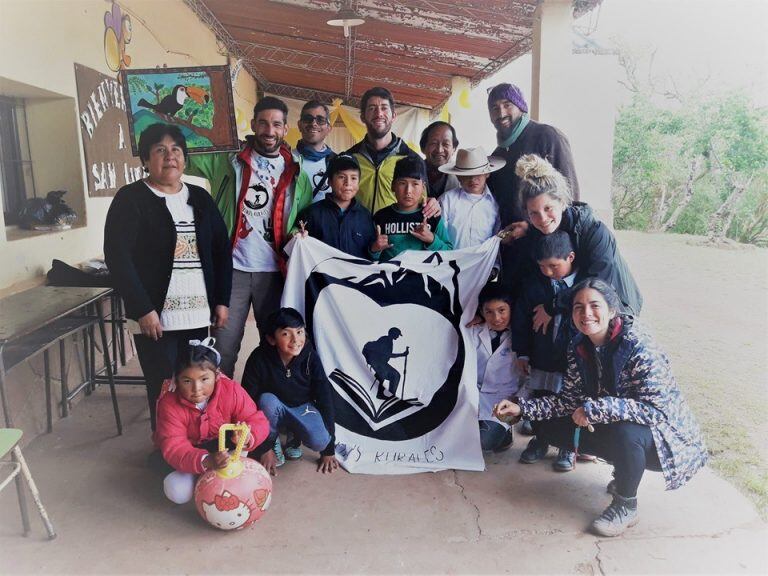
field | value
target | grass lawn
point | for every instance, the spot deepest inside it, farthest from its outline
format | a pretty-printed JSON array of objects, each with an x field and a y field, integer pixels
[{"x": 708, "y": 307}]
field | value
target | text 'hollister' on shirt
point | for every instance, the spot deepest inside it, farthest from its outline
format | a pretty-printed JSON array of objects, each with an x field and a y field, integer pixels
[
  {"x": 394, "y": 222},
  {"x": 254, "y": 250}
]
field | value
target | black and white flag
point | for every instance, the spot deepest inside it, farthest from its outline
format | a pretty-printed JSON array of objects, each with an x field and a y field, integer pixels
[{"x": 393, "y": 342}]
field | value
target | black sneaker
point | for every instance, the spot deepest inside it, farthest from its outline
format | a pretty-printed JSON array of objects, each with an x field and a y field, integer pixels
[
  {"x": 534, "y": 452},
  {"x": 620, "y": 515}
]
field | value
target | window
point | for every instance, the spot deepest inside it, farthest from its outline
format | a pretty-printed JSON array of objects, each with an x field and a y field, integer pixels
[{"x": 16, "y": 179}]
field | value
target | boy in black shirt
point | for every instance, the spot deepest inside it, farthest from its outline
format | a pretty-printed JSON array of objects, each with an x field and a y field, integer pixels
[{"x": 285, "y": 376}]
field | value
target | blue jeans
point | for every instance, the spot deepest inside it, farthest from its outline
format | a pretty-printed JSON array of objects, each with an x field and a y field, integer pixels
[
  {"x": 304, "y": 421},
  {"x": 492, "y": 434}
]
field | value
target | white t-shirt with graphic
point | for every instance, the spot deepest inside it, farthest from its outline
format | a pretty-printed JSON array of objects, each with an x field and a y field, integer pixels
[
  {"x": 316, "y": 172},
  {"x": 186, "y": 302},
  {"x": 253, "y": 250}
]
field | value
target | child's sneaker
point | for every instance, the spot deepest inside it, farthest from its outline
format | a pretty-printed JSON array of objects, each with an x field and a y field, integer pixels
[
  {"x": 293, "y": 452},
  {"x": 564, "y": 462},
  {"x": 534, "y": 452},
  {"x": 292, "y": 448},
  {"x": 620, "y": 515},
  {"x": 279, "y": 453}
]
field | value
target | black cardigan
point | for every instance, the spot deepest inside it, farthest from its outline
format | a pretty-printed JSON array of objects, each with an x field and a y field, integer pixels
[{"x": 139, "y": 245}]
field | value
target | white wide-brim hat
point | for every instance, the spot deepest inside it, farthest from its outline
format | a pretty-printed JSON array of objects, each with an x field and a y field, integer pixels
[{"x": 472, "y": 161}]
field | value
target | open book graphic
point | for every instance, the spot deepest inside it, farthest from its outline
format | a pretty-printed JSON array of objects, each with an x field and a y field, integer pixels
[{"x": 361, "y": 396}]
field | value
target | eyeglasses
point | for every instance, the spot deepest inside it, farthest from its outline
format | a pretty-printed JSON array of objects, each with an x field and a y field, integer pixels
[{"x": 308, "y": 119}]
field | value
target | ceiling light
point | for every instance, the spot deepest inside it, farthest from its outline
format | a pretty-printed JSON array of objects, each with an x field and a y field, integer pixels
[{"x": 346, "y": 18}]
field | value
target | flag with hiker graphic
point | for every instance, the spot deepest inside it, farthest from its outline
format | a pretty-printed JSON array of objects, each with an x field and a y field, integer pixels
[{"x": 393, "y": 341}]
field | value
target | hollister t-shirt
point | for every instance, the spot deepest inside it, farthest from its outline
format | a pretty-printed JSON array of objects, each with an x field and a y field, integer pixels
[
  {"x": 254, "y": 249},
  {"x": 398, "y": 225}
]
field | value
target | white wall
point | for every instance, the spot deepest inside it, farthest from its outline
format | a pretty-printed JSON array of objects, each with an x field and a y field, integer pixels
[{"x": 40, "y": 40}]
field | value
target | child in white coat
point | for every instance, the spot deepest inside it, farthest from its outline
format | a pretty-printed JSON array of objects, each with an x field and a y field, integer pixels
[{"x": 497, "y": 377}]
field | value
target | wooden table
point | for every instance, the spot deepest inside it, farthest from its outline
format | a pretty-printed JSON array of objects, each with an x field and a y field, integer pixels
[{"x": 35, "y": 320}]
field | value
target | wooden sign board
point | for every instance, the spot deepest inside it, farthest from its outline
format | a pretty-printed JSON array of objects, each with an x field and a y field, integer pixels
[{"x": 109, "y": 162}]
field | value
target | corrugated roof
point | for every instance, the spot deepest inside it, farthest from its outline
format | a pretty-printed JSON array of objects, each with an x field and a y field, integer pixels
[{"x": 413, "y": 48}]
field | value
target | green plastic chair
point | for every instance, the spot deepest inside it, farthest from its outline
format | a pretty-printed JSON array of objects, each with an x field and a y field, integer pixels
[{"x": 9, "y": 444}]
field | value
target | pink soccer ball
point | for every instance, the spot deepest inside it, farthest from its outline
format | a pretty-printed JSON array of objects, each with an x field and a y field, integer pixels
[{"x": 229, "y": 500}]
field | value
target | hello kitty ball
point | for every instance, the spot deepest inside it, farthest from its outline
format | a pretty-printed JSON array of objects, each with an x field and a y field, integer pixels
[{"x": 231, "y": 499}]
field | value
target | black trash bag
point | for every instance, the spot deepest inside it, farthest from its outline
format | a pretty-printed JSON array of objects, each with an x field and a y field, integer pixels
[
  {"x": 51, "y": 212},
  {"x": 62, "y": 274}
]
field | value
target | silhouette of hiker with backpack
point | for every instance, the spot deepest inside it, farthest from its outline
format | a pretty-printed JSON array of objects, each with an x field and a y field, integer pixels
[{"x": 378, "y": 353}]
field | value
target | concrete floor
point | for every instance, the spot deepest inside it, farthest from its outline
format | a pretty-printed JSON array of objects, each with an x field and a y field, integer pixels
[{"x": 112, "y": 518}]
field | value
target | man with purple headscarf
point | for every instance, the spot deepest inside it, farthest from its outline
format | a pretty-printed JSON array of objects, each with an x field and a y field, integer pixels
[{"x": 516, "y": 135}]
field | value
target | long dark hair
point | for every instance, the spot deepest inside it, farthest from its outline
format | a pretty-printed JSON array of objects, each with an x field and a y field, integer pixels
[{"x": 607, "y": 292}]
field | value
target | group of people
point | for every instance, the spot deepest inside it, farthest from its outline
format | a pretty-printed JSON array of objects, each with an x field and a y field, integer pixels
[{"x": 557, "y": 339}]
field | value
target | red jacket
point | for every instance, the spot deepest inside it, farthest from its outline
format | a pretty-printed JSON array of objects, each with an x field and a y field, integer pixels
[{"x": 181, "y": 426}]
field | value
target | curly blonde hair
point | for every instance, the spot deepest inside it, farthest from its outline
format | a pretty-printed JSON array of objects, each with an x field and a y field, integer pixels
[{"x": 537, "y": 177}]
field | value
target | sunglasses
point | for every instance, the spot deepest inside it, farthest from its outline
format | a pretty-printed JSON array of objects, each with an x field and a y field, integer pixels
[{"x": 308, "y": 119}]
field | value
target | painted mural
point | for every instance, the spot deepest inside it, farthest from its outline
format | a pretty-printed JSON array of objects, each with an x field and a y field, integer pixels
[
  {"x": 117, "y": 33},
  {"x": 197, "y": 99}
]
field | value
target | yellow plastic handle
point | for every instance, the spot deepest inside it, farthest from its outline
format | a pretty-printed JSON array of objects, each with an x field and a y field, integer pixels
[{"x": 235, "y": 466}]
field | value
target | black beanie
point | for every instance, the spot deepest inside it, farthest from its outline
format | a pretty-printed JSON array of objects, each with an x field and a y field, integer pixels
[{"x": 410, "y": 167}]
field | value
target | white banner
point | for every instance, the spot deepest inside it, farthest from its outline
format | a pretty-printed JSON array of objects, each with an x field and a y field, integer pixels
[{"x": 393, "y": 342}]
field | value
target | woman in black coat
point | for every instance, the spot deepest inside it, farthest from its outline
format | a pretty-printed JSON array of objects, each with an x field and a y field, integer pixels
[
  {"x": 546, "y": 201},
  {"x": 167, "y": 250}
]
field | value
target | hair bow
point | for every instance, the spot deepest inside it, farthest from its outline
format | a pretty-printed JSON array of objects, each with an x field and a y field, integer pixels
[{"x": 208, "y": 343}]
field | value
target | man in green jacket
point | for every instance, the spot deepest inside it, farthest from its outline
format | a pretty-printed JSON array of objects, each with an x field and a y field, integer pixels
[
  {"x": 259, "y": 191},
  {"x": 378, "y": 152}
]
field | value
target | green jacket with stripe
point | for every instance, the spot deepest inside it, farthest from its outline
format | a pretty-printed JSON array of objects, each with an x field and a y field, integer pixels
[{"x": 375, "y": 190}]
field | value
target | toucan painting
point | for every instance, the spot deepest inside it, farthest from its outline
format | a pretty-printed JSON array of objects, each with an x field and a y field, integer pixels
[
  {"x": 174, "y": 102},
  {"x": 196, "y": 99}
]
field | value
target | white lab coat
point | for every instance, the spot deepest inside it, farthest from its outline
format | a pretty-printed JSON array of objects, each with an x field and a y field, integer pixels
[{"x": 497, "y": 376}]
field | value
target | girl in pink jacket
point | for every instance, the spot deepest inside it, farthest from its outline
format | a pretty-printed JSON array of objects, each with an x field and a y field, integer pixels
[{"x": 191, "y": 409}]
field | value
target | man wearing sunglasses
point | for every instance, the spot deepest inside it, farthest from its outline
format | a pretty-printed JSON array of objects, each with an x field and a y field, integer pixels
[{"x": 315, "y": 125}]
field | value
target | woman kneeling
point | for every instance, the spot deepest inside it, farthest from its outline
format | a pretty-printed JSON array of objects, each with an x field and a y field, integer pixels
[{"x": 621, "y": 382}]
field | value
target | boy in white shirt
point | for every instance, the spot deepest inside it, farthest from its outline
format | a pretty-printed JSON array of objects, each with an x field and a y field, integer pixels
[
  {"x": 470, "y": 212},
  {"x": 497, "y": 375}
]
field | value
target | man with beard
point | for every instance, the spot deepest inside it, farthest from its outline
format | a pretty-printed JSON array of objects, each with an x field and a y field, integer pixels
[
  {"x": 516, "y": 135},
  {"x": 438, "y": 142},
  {"x": 315, "y": 125},
  {"x": 259, "y": 191},
  {"x": 378, "y": 152}
]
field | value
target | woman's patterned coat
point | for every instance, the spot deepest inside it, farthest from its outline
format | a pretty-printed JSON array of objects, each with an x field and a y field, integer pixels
[{"x": 646, "y": 393}]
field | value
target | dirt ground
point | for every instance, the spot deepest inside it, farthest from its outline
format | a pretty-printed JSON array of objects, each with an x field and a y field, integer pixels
[{"x": 708, "y": 307}]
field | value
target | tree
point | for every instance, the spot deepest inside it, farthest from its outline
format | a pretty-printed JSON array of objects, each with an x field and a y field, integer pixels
[
  {"x": 670, "y": 147},
  {"x": 739, "y": 149}
]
